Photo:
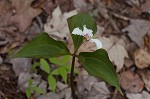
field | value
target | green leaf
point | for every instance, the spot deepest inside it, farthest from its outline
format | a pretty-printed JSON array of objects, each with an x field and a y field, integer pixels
[
  {"x": 79, "y": 21},
  {"x": 52, "y": 82},
  {"x": 43, "y": 46},
  {"x": 55, "y": 72},
  {"x": 28, "y": 92},
  {"x": 68, "y": 69},
  {"x": 63, "y": 60},
  {"x": 98, "y": 64},
  {"x": 44, "y": 66},
  {"x": 37, "y": 90},
  {"x": 63, "y": 74},
  {"x": 33, "y": 67},
  {"x": 55, "y": 60},
  {"x": 30, "y": 82}
]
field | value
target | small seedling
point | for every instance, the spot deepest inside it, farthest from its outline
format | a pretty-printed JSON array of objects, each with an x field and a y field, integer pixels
[{"x": 32, "y": 89}]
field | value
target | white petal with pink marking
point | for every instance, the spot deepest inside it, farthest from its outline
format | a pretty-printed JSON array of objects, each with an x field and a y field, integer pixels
[{"x": 87, "y": 32}]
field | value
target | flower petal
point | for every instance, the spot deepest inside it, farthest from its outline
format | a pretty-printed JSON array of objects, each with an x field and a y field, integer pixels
[
  {"x": 77, "y": 31},
  {"x": 97, "y": 42},
  {"x": 87, "y": 32}
]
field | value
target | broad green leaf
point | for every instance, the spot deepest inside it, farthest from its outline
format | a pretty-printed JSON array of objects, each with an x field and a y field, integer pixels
[
  {"x": 79, "y": 21},
  {"x": 37, "y": 90},
  {"x": 28, "y": 92},
  {"x": 98, "y": 64},
  {"x": 52, "y": 82},
  {"x": 44, "y": 66},
  {"x": 63, "y": 74},
  {"x": 43, "y": 46}
]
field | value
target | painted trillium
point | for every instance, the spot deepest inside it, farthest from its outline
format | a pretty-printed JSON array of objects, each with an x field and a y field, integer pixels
[{"x": 87, "y": 33}]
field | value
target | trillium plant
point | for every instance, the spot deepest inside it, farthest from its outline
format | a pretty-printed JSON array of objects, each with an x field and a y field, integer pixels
[{"x": 82, "y": 28}]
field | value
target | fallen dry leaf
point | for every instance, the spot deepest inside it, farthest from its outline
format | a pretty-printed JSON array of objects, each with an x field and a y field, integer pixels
[
  {"x": 88, "y": 87},
  {"x": 117, "y": 54},
  {"x": 145, "y": 74},
  {"x": 24, "y": 77},
  {"x": 142, "y": 58},
  {"x": 49, "y": 95},
  {"x": 57, "y": 25},
  {"x": 61, "y": 86},
  {"x": 10, "y": 39},
  {"x": 128, "y": 62},
  {"x": 1, "y": 60},
  {"x": 147, "y": 40},
  {"x": 146, "y": 6},
  {"x": 137, "y": 29},
  {"x": 21, "y": 65},
  {"x": 133, "y": 2},
  {"x": 143, "y": 95},
  {"x": 24, "y": 14},
  {"x": 131, "y": 82},
  {"x": 116, "y": 51},
  {"x": 82, "y": 5}
]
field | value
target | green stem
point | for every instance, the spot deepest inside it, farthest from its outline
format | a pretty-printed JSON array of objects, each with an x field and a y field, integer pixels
[{"x": 71, "y": 78}]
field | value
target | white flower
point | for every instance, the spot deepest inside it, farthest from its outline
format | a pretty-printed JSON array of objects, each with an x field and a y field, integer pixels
[
  {"x": 87, "y": 33},
  {"x": 97, "y": 42},
  {"x": 77, "y": 31}
]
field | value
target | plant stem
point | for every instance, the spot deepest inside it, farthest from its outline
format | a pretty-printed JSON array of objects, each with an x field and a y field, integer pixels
[{"x": 71, "y": 78}]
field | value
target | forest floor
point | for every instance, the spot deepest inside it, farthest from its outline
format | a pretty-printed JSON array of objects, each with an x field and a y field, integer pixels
[{"x": 123, "y": 28}]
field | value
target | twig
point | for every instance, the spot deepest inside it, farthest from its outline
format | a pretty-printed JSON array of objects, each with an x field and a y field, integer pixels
[
  {"x": 115, "y": 93},
  {"x": 2, "y": 94},
  {"x": 120, "y": 16},
  {"x": 114, "y": 25}
]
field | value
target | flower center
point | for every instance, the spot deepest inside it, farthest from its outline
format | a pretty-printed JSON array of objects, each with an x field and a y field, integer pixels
[{"x": 87, "y": 36}]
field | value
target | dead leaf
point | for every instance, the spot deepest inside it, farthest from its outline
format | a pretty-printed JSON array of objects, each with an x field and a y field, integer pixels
[
  {"x": 57, "y": 25},
  {"x": 49, "y": 95},
  {"x": 116, "y": 51},
  {"x": 82, "y": 5},
  {"x": 142, "y": 58},
  {"x": 24, "y": 14},
  {"x": 24, "y": 78},
  {"x": 131, "y": 82},
  {"x": 146, "y": 6},
  {"x": 61, "y": 86},
  {"x": 21, "y": 65},
  {"x": 33, "y": 30},
  {"x": 136, "y": 30},
  {"x": 128, "y": 62},
  {"x": 89, "y": 87},
  {"x": 143, "y": 95},
  {"x": 146, "y": 78},
  {"x": 133, "y": 2},
  {"x": 147, "y": 40},
  {"x": 117, "y": 54},
  {"x": 102, "y": 90},
  {"x": 1, "y": 60}
]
